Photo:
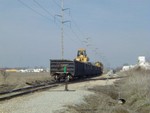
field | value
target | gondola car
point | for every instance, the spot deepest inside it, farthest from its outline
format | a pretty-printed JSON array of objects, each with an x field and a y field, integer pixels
[{"x": 77, "y": 68}]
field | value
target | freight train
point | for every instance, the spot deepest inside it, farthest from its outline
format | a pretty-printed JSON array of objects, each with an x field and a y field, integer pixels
[{"x": 77, "y": 68}]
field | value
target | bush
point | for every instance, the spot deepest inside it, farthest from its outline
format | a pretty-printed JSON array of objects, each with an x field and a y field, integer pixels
[{"x": 135, "y": 89}]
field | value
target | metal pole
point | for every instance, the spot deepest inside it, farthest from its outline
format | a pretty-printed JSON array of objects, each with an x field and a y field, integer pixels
[
  {"x": 66, "y": 85},
  {"x": 62, "y": 28}
]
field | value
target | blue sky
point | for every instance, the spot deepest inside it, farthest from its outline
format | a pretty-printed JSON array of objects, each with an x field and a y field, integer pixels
[{"x": 118, "y": 31}]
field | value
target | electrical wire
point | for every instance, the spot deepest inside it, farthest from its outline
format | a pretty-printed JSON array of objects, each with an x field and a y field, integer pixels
[
  {"x": 56, "y": 3},
  {"x": 71, "y": 29},
  {"x": 75, "y": 23},
  {"x": 75, "y": 34},
  {"x": 43, "y": 8},
  {"x": 70, "y": 37},
  {"x": 34, "y": 10}
]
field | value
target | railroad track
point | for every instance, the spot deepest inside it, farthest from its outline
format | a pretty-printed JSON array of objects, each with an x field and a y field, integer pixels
[
  {"x": 22, "y": 91},
  {"x": 27, "y": 90},
  {"x": 30, "y": 89}
]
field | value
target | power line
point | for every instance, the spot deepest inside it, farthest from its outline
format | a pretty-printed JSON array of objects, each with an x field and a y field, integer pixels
[
  {"x": 72, "y": 39},
  {"x": 75, "y": 34},
  {"x": 76, "y": 25},
  {"x": 62, "y": 21},
  {"x": 43, "y": 8},
  {"x": 37, "y": 11},
  {"x": 34, "y": 10},
  {"x": 57, "y": 4}
]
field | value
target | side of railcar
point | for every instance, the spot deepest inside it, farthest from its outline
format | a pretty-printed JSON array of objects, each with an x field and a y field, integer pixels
[
  {"x": 86, "y": 69},
  {"x": 79, "y": 69},
  {"x": 91, "y": 70}
]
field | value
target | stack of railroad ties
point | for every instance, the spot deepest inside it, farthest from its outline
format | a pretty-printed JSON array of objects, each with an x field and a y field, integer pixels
[{"x": 80, "y": 67}]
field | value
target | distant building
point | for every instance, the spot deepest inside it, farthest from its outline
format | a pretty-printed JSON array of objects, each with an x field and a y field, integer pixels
[
  {"x": 11, "y": 70},
  {"x": 141, "y": 60},
  {"x": 142, "y": 63},
  {"x": 126, "y": 68},
  {"x": 24, "y": 70}
]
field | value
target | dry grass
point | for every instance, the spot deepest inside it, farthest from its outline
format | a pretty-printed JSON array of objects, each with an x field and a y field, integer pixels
[
  {"x": 135, "y": 89},
  {"x": 17, "y": 80}
]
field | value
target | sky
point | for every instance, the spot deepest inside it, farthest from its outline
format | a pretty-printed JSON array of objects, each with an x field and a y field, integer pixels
[{"x": 114, "y": 32}]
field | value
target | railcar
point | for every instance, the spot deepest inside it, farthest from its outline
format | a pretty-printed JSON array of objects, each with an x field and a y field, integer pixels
[{"x": 69, "y": 70}]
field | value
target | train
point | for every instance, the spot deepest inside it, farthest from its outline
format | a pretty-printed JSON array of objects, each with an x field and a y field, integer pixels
[{"x": 61, "y": 69}]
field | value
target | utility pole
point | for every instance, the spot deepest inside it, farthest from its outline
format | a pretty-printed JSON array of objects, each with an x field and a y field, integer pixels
[{"x": 62, "y": 27}]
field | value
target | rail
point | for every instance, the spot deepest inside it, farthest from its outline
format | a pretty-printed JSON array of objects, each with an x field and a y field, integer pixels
[
  {"x": 27, "y": 90},
  {"x": 22, "y": 91}
]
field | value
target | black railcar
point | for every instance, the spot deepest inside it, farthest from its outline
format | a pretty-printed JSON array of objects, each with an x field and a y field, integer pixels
[{"x": 68, "y": 69}]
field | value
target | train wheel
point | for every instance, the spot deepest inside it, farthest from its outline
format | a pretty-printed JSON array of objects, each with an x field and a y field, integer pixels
[
  {"x": 57, "y": 79},
  {"x": 68, "y": 78}
]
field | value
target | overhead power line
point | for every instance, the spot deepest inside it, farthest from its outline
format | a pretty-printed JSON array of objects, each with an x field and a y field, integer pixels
[
  {"x": 76, "y": 35},
  {"x": 43, "y": 8},
  {"x": 75, "y": 23},
  {"x": 57, "y": 4},
  {"x": 34, "y": 10},
  {"x": 53, "y": 16},
  {"x": 72, "y": 38}
]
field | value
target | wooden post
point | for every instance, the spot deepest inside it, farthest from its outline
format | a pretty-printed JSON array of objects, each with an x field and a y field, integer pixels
[{"x": 66, "y": 85}]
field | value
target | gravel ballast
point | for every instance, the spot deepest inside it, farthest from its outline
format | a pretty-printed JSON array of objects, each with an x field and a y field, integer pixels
[
  {"x": 52, "y": 100},
  {"x": 43, "y": 102}
]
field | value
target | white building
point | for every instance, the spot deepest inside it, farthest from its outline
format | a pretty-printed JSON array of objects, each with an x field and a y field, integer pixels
[
  {"x": 141, "y": 63},
  {"x": 141, "y": 60},
  {"x": 126, "y": 68}
]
